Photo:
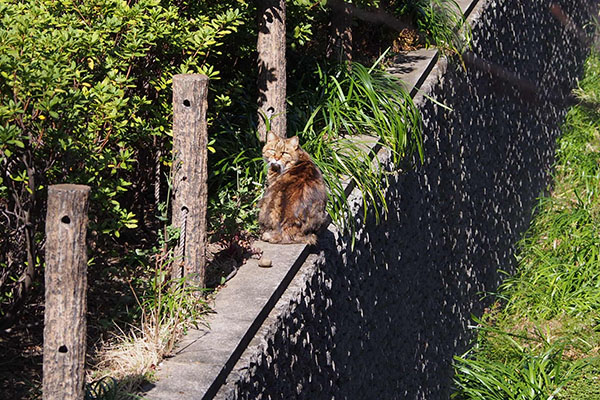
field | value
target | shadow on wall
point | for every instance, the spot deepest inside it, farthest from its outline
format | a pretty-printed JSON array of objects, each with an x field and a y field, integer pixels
[{"x": 383, "y": 321}]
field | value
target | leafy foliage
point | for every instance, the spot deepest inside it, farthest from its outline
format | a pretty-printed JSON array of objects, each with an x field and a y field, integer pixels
[
  {"x": 340, "y": 114},
  {"x": 85, "y": 98},
  {"x": 352, "y": 107},
  {"x": 81, "y": 92},
  {"x": 167, "y": 308},
  {"x": 441, "y": 21}
]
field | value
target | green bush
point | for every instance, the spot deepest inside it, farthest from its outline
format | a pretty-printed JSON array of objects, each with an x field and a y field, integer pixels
[
  {"x": 85, "y": 98},
  {"x": 85, "y": 87}
]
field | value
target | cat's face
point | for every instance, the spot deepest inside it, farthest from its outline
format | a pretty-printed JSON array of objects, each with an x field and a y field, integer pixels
[{"x": 280, "y": 153}]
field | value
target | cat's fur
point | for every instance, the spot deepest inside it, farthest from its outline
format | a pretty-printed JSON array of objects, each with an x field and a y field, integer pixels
[{"x": 292, "y": 209}]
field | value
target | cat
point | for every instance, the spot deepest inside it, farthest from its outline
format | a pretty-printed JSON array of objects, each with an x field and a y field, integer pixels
[{"x": 292, "y": 208}]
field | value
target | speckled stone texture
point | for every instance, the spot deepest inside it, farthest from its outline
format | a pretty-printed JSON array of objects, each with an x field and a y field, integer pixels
[{"x": 383, "y": 320}]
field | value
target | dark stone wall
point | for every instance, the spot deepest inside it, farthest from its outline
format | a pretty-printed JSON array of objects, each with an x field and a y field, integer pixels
[{"x": 383, "y": 320}]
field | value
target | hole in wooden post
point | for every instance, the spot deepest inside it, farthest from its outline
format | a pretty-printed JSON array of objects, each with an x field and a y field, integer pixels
[
  {"x": 62, "y": 349},
  {"x": 65, "y": 219},
  {"x": 184, "y": 209},
  {"x": 187, "y": 103},
  {"x": 184, "y": 178}
]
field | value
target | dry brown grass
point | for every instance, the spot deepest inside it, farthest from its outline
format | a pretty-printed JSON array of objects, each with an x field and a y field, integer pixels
[{"x": 132, "y": 357}]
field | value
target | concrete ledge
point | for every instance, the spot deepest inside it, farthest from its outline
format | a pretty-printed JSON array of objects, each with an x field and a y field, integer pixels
[{"x": 205, "y": 357}]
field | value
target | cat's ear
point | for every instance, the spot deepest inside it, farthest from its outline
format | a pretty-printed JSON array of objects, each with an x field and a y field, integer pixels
[
  {"x": 294, "y": 142},
  {"x": 271, "y": 136}
]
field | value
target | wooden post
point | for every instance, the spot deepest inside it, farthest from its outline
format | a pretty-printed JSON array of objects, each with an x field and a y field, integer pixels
[
  {"x": 190, "y": 141},
  {"x": 271, "y": 68},
  {"x": 339, "y": 44},
  {"x": 66, "y": 285}
]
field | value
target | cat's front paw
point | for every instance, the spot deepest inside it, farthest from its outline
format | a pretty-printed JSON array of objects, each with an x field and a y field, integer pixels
[{"x": 271, "y": 237}]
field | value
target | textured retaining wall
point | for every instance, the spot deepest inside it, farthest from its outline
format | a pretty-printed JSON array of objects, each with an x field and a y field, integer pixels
[{"x": 384, "y": 320}]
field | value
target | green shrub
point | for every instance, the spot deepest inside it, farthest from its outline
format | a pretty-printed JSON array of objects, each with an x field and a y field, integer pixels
[
  {"x": 85, "y": 98},
  {"x": 85, "y": 87}
]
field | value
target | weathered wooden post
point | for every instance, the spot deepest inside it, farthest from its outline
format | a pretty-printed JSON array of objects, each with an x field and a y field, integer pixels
[
  {"x": 190, "y": 141},
  {"x": 271, "y": 68},
  {"x": 66, "y": 284}
]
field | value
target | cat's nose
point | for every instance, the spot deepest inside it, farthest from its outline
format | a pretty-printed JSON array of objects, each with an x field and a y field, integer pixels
[{"x": 275, "y": 166}]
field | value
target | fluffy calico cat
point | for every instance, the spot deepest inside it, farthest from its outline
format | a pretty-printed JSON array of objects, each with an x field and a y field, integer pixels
[{"x": 292, "y": 209}]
